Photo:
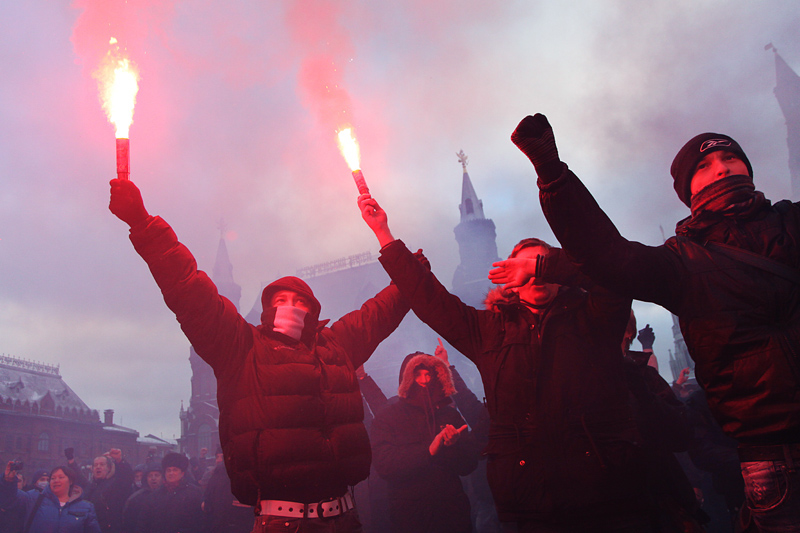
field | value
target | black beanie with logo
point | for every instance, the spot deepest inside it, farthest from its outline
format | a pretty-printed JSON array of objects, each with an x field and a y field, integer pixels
[{"x": 684, "y": 164}]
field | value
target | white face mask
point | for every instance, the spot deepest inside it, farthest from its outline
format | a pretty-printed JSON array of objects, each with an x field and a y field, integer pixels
[
  {"x": 289, "y": 320},
  {"x": 42, "y": 484}
]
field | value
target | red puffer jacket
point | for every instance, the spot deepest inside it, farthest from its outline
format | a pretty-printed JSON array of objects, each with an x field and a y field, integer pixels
[{"x": 290, "y": 413}]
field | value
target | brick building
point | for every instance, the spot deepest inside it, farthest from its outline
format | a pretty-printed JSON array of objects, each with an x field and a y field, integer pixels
[{"x": 40, "y": 416}]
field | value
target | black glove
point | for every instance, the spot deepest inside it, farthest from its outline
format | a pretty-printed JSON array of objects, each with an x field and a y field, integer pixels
[
  {"x": 126, "y": 202},
  {"x": 422, "y": 259},
  {"x": 535, "y": 138},
  {"x": 646, "y": 337},
  {"x": 69, "y": 453}
]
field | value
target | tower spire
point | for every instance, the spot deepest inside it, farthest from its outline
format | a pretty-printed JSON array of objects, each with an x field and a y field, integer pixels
[
  {"x": 477, "y": 244},
  {"x": 787, "y": 92},
  {"x": 471, "y": 206}
]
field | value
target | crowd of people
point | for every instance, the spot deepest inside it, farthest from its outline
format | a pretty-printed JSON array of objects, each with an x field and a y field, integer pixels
[
  {"x": 577, "y": 431},
  {"x": 164, "y": 495}
]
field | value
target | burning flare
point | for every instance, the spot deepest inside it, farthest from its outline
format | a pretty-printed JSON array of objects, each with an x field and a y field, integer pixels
[
  {"x": 118, "y": 81},
  {"x": 348, "y": 145}
]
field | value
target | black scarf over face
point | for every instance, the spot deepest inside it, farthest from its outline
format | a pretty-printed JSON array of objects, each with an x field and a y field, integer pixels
[
  {"x": 734, "y": 197},
  {"x": 427, "y": 398}
]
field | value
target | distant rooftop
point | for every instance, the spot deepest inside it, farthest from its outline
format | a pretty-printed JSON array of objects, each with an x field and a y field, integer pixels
[
  {"x": 37, "y": 388},
  {"x": 33, "y": 366}
]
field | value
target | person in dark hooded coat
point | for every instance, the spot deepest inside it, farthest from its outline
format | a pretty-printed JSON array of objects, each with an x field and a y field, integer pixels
[
  {"x": 421, "y": 446},
  {"x": 290, "y": 410},
  {"x": 563, "y": 449}
]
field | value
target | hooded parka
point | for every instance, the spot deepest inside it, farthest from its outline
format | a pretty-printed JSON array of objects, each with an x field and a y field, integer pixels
[
  {"x": 562, "y": 438},
  {"x": 425, "y": 491}
]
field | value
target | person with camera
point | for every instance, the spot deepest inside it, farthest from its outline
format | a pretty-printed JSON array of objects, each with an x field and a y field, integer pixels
[{"x": 57, "y": 508}]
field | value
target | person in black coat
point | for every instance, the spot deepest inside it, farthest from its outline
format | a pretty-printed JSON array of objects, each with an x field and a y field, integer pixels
[
  {"x": 152, "y": 480},
  {"x": 731, "y": 274},
  {"x": 562, "y": 450},
  {"x": 421, "y": 445},
  {"x": 176, "y": 506},
  {"x": 112, "y": 480}
]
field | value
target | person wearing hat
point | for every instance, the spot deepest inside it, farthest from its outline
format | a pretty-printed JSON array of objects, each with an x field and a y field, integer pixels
[
  {"x": 421, "y": 446},
  {"x": 175, "y": 507},
  {"x": 290, "y": 409},
  {"x": 562, "y": 451},
  {"x": 731, "y": 276},
  {"x": 152, "y": 480}
]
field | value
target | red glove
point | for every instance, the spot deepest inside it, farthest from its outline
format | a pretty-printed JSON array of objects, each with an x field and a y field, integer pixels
[{"x": 126, "y": 202}]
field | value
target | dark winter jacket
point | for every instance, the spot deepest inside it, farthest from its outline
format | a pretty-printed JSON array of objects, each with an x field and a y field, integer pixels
[
  {"x": 109, "y": 496},
  {"x": 222, "y": 513},
  {"x": 172, "y": 510},
  {"x": 133, "y": 508},
  {"x": 666, "y": 428},
  {"x": 76, "y": 516},
  {"x": 740, "y": 323},
  {"x": 290, "y": 412},
  {"x": 561, "y": 437},
  {"x": 425, "y": 492}
]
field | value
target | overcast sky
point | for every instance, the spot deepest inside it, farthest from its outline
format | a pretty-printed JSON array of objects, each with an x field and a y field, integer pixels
[{"x": 235, "y": 120}]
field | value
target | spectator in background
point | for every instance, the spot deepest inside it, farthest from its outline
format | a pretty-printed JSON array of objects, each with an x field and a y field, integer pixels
[
  {"x": 665, "y": 427},
  {"x": 175, "y": 507},
  {"x": 153, "y": 480},
  {"x": 39, "y": 480},
  {"x": 56, "y": 509},
  {"x": 12, "y": 515},
  {"x": 138, "y": 477},
  {"x": 112, "y": 479},
  {"x": 223, "y": 512}
]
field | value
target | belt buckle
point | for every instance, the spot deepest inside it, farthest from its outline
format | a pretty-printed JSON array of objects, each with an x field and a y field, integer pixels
[
  {"x": 336, "y": 512},
  {"x": 321, "y": 510}
]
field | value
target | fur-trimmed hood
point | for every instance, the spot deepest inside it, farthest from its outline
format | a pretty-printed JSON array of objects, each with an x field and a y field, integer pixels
[
  {"x": 439, "y": 370},
  {"x": 497, "y": 297}
]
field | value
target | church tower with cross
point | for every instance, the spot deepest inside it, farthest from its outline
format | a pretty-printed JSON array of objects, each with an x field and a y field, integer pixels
[{"x": 477, "y": 244}]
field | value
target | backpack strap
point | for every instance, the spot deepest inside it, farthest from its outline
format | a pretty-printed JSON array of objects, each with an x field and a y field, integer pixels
[
  {"x": 756, "y": 260},
  {"x": 36, "y": 506}
]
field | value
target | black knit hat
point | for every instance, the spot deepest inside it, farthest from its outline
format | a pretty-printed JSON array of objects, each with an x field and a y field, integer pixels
[
  {"x": 290, "y": 283},
  {"x": 684, "y": 164},
  {"x": 175, "y": 459}
]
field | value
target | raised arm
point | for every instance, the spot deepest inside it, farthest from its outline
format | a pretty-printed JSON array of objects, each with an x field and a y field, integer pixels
[
  {"x": 210, "y": 321},
  {"x": 375, "y": 217},
  {"x": 587, "y": 235}
]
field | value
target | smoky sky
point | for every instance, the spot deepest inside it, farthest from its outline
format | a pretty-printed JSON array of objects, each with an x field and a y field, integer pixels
[{"x": 235, "y": 120}]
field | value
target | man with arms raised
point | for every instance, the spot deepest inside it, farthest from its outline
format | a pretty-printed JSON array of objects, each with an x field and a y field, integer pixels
[
  {"x": 731, "y": 276},
  {"x": 290, "y": 409}
]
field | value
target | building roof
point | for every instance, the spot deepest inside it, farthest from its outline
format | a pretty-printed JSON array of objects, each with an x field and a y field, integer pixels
[{"x": 35, "y": 385}]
